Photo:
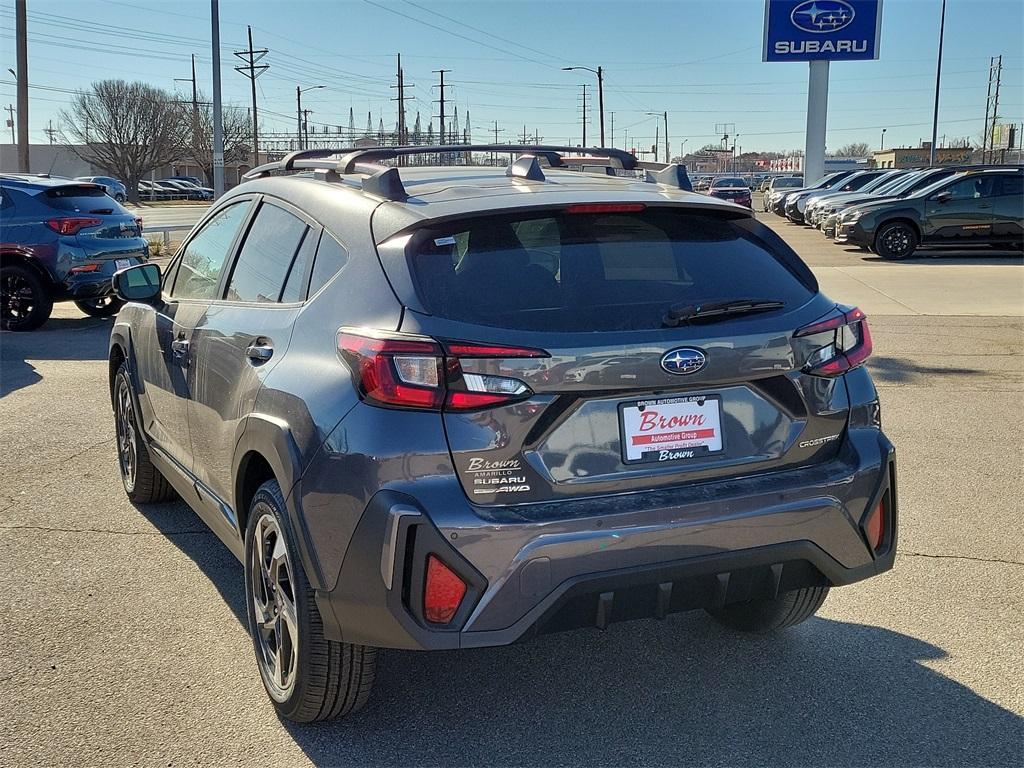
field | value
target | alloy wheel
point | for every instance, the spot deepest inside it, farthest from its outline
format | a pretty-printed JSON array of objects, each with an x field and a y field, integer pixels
[
  {"x": 127, "y": 452},
  {"x": 17, "y": 298},
  {"x": 273, "y": 600},
  {"x": 897, "y": 241}
]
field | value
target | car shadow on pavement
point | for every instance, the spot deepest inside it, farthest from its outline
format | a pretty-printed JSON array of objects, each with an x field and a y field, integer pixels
[
  {"x": 900, "y": 370},
  {"x": 678, "y": 692},
  {"x": 61, "y": 338},
  {"x": 682, "y": 692}
]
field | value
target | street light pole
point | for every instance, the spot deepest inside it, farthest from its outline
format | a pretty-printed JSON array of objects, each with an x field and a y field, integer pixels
[
  {"x": 298, "y": 108},
  {"x": 881, "y": 146},
  {"x": 218, "y": 124},
  {"x": 600, "y": 93},
  {"x": 668, "y": 150}
]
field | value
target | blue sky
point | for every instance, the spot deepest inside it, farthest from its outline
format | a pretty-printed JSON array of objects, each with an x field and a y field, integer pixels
[{"x": 697, "y": 59}]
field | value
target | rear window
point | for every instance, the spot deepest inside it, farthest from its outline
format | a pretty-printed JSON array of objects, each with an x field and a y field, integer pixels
[
  {"x": 83, "y": 199},
  {"x": 729, "y": 181},
  {"x": 594, "y": 271}
]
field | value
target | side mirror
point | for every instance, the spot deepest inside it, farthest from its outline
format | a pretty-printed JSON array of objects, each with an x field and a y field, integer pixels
[
  {"x": 138, "y": 283},
  {"x": 944, "y": 197}
]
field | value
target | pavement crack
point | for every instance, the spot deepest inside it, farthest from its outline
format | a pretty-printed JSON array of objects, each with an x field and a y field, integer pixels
[
  {"x": 959, "y": 557},
  {"x": 54, "y": 529}
]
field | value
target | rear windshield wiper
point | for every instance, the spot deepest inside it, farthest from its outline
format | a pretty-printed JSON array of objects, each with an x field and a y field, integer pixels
[{"x": 678, "y": 314}]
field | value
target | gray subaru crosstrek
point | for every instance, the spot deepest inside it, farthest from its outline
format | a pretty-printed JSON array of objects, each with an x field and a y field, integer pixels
[{"x": 452, "y": 407}]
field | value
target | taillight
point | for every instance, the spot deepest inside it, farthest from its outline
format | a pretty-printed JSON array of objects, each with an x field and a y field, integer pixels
[
  {"x": 72, "y": 224},
  {"x": 874, "y": 527},
  {"x": 848, "y": 345},
  {"x": 403, "y": 371},
  {"x": 442, "y": 592}
]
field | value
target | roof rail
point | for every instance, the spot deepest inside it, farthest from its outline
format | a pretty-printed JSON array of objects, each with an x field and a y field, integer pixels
[{"x": 385, "y": 181}]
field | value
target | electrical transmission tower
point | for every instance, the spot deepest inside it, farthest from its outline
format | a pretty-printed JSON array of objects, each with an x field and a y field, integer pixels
[
  {"x": 252, "y": 69},
  {"x": 403, "y": 131},
  {"x": 441, "y": 101},
  {"x": 995, "y": 76}
]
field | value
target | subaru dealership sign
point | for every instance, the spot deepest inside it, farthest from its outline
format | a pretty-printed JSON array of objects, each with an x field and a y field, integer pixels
[{"x": 821, "y": 30}]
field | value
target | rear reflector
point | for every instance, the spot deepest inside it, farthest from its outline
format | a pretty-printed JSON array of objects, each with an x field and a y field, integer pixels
[
  {"x": 606, "y": 208},
  {"x": 874, "y": 526},
  {"x": 443, "y": 592}
]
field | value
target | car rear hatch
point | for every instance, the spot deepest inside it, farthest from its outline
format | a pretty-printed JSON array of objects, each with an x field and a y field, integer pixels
[
  {"x": 601, "y": 349},
  {"x": 95, "y": 223}
]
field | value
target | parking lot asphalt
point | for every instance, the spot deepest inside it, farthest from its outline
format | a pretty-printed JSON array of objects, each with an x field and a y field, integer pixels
[{"x": 123, "y": 635}]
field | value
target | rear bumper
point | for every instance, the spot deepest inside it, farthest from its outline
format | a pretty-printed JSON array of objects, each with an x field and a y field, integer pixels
[{"x": 614, "y": 558}]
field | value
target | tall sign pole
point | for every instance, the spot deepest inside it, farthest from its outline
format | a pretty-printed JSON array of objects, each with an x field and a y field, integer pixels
[
  {"x": 218, "y": 126},
  {"x": 819, "y": 32},
  {"x": 817, "y": 119},
  {"x": 21, "y": 32}
]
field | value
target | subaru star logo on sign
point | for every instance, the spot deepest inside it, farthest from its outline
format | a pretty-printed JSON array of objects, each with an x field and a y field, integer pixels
[
  {"x": 833, "y": 30},
  {"x": 683, "y": 360}
]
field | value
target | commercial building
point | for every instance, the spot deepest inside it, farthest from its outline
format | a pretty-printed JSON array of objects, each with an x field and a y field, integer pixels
[{"x": 917, "y": 157}]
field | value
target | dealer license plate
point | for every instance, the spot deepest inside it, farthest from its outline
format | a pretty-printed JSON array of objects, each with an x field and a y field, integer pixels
[{"x": 671, "y": 428}]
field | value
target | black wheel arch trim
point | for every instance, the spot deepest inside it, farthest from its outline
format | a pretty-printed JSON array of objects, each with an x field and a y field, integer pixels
[{"x": 271, "y": 438}]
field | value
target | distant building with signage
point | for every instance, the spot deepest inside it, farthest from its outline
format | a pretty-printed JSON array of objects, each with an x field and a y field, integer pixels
[
  {"x": 795, "y": 164},
  {"x": 919, "y": 157}
]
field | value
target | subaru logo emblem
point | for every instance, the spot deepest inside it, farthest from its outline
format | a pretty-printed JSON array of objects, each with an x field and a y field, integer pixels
[
  {"x": 822, "y": 16},
  {"x": 683, "y": 360}
]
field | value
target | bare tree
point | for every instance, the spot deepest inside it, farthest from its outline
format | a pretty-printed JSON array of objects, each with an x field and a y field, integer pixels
[
  {"x": 855, "y": 149},
  {"x": 127, "y": 129},
  {"x": 237, "y": 126}
]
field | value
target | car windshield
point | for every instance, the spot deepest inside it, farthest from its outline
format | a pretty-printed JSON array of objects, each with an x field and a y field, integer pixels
[
  {"x": 729, "y": 181},
  {"x": 898, "y": 183},
  {"x": 877, "y": 183},
  {"x": 557, "y": 271},
  {"x": 787, "y": 183}
]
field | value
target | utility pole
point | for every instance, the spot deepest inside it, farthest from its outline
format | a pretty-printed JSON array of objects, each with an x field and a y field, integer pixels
[
  {"x": 10, "y": 123},
  {"x": 21, "y": 32},
  {"x": 305, "y": 126},
  {"x": 252, "y": 71},
  {"x": 403, "y": 131},
  {"x": 600, "y": 100},
  {"x": 49, "y": 131},
  {"x": 668, "y": 152},
  {"x": 441, "y": 101},
  {"x": 655, "y": 147},
  {"x": 526, "y": 136},
  {"x": 613, "y": 128},
  {"x": 195, "y": 101},
  {"x": 218, "y": 124},
  {"x": 938, "y": 78},
  {"x": 584, "y": 115},
  {"x": 995, "y": 106},
  {"x": 298, "y": 113}
]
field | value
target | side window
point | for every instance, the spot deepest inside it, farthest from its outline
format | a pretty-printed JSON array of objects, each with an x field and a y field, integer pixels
[
  {"x": 298, "y": 276},
  {"x": 971, "y": 188},
  {"x": 331, "y": 256},
  {"x": 198, "y": 271},
  {"x": 5, "y": 199},
  {"x": 1012, "y": 185},
  {"x": 266, "y": 255}
]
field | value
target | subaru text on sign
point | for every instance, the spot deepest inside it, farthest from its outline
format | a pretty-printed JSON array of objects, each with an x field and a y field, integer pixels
[{"x": 815, "y": 30}]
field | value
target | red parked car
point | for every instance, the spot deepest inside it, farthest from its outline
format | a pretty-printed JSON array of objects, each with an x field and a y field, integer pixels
[{"x": 731, "y": 188}]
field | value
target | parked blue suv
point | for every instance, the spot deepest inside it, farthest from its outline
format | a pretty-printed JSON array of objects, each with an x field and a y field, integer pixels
[
  {"x": 61, "y": 240},
  {"x": 452, "y": 407}
]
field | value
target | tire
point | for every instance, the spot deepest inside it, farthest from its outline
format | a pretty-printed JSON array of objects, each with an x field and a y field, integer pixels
[
  {"x": 786, "y": 610},
  {"x": 105, "y": 306},
  {"x": 25, "y": 300},
  {"x": 119, "y": 197},
  {"x": 895, "y": 241},
  {"x": 321, "y": 679},
  {"x": 142, "y": 482}
]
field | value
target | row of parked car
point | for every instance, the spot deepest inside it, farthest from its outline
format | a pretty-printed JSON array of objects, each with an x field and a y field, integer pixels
[
  {"x": 172, "y": 188},
  {"x": 893, "y": 212}
]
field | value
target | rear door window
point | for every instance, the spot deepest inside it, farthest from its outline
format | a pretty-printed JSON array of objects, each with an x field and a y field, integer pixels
[
  {"x": 266, "y": 256},
  {"x": 331, "y": 256},
  {"x": 593, "y": 271},
  {"x": 1011, "y": 185}
]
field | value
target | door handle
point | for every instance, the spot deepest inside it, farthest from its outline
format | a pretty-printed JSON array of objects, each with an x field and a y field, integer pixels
[
  {"x": 179, "y": 349},
  {"x": 259, "y": 353}
]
